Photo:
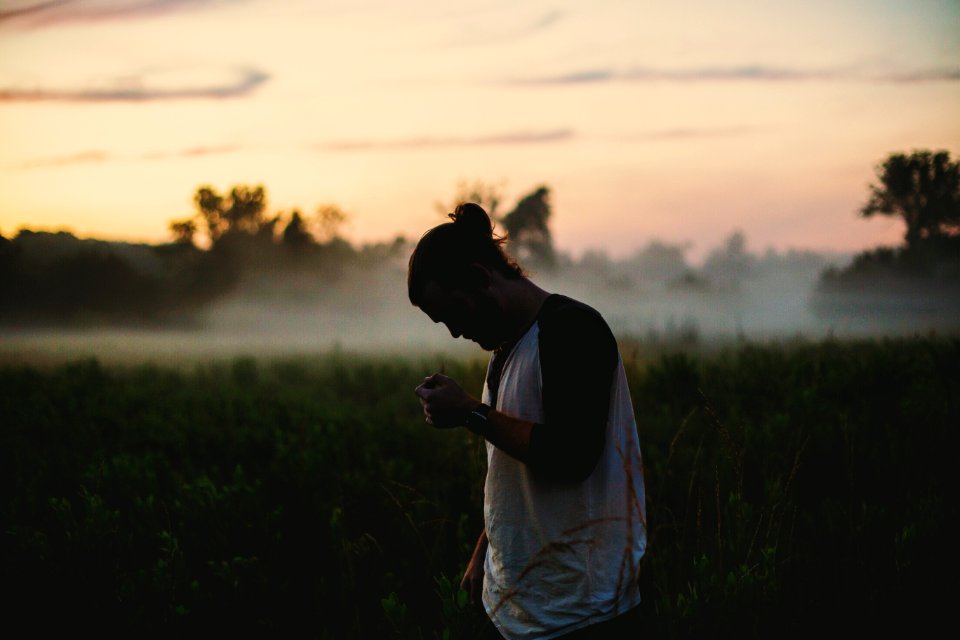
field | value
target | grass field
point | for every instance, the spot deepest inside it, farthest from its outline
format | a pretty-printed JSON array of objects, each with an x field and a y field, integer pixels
[{"x": 789, "y": 487}]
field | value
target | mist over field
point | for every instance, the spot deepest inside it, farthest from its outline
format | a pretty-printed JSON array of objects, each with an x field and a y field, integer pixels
[
  {"x": 237, "y": 280},
  {"x": 656, "y": 297}
]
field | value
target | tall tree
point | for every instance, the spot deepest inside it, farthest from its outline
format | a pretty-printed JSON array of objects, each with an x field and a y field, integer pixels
[
  {"x": 295, "y": 234},
  {"x": 210, "y": 211},
  {"x": 245, "y": 212},
  {"x": 241, "y": 211},
  {"x": 528, "y": 229},
  {"x": 923, "y": 188}
]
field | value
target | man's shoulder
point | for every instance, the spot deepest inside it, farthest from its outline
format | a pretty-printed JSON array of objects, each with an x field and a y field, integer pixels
[
  {"x": 558, "y": 309},
  {"x": 566, "y": 318}
]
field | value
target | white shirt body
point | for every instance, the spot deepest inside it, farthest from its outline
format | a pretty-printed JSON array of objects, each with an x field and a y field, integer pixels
[{"x": 561, "y": 555}]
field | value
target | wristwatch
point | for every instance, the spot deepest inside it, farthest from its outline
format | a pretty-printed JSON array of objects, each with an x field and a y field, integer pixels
[{"x": 477, "y": 419}]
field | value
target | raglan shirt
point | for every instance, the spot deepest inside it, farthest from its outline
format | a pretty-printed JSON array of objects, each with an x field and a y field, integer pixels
[{"x": 566, "y": 530}]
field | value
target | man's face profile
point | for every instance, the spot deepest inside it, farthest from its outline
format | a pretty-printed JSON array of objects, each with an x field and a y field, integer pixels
[{"x": 475, "y": 315}]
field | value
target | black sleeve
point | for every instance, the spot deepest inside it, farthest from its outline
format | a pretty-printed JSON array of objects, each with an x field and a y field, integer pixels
[{"x": 578, "y": 356}]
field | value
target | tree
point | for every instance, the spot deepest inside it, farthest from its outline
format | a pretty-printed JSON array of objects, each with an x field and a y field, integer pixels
[
  {"x": 295, "y": 234},
  {"x": 328, "y": 221},
  {"x": 528, "y": 229},
  {"x": 241, "y": 211},
  {"x": 209, "y": 210},
  {"x": 732, "y": 261},
  {"x": 660, "y": 261},
  {"x": 487, "y": 195},
  {"x": 183, "y": 230},
  {"x": 923, "y": 189}
]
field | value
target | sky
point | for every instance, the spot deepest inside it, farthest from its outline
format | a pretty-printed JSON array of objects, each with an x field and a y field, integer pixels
[{"x": 647, "y": 120}]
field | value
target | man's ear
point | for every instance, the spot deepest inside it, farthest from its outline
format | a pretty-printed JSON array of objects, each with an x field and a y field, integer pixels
[{"x": 478, "y": 277}]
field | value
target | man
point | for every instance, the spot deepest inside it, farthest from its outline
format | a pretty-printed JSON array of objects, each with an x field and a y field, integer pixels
[{"x": 564, "y": 509}]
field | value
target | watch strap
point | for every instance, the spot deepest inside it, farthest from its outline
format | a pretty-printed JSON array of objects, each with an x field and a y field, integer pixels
[{"x": 477, "y": 418}]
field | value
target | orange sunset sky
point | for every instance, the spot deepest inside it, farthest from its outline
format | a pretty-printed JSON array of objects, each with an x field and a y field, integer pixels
[{"x": 676, "y": 121}]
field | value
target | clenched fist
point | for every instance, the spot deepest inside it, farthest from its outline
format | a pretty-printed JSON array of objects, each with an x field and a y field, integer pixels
[{"x": 445, "y": 403}]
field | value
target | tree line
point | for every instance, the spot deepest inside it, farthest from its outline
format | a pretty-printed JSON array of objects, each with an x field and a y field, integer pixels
[{"x": 57, "y": 278}]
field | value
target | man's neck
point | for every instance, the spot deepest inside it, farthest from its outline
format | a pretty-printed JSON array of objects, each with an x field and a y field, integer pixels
[{"x": 522, "y": 300}]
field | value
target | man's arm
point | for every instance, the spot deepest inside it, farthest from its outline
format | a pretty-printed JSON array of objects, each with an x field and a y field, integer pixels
[
  {"x": 472, "y": 581},
  {"x": 445, "y": 404},
  {"x": 578, "y": 356}
]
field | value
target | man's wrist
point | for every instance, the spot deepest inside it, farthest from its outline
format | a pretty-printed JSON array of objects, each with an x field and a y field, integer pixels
[{"x": 476, "y": 419}]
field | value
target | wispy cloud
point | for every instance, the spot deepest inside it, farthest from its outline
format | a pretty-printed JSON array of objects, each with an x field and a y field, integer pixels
[
  {"x": 687, "y": 134},
  {"x": 89, "y": 157},
  {"x": 744, "y": 73},
  {"x": 924, "y": 75},
  {"x": 137, "y": 88},
  {"x": 53, "y": 12},
  {"x": 513, "y": 138},
  {"x": 496, "y": 32},
  {"x": 192, "y": 152},
  {"x": 28, "y": 10},
  {"x": 85, "y": 157}
]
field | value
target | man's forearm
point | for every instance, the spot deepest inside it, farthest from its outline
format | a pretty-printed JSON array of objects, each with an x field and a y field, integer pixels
[
  {"x": 508, "y": 434},
  {"x": 446, "y": 404},
  {"x": 481, "y": 547}
]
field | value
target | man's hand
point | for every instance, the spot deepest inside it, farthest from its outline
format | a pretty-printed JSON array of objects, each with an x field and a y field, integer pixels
[
  {"x": 445, "y": 403},
  {"x": 472, "y": 581}
]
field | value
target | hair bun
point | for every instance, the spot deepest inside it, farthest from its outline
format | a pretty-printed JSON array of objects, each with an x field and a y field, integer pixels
[{"x": 472, "y": 218}]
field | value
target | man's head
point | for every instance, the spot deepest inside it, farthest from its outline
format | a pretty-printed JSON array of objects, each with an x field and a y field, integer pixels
[{"x": 453, "y": 274}]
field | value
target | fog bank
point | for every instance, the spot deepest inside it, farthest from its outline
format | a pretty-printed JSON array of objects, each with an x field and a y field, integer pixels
[{"x": 654, "y": 298}]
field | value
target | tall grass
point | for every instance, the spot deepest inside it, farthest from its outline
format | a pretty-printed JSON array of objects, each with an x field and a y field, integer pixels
[
  {"x": 787, "y": 485},
  {"x": 786, "y": 482}
]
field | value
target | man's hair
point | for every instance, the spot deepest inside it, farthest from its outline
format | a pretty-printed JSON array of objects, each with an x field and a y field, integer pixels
[{"x": 445, "y": 253}]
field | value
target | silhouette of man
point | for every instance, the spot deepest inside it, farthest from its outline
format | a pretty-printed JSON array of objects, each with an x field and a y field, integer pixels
[{"x": 564, "y": 511}]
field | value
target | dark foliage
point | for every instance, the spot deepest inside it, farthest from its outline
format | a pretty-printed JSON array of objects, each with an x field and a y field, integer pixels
[{"x": 790, "y": 489}]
